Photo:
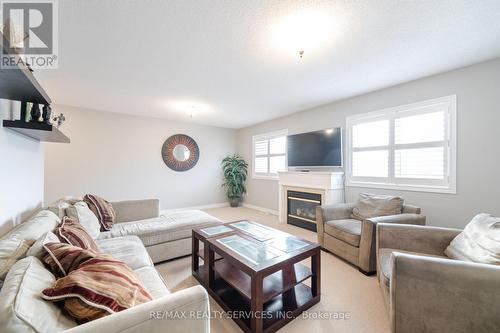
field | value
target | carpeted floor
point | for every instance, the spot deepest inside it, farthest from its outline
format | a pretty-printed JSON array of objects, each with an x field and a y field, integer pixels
[{"x": 344, "y": 288}]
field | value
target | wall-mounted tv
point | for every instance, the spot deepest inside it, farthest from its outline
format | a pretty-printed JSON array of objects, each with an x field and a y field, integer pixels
[{"x": 315, "y": 149}]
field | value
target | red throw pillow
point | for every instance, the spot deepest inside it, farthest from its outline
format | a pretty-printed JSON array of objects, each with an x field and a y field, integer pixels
[
  {"x": 99, "y": 287},
  {"x": 72, "y": 232},
  {"x": 102, "y": 209},
  {"x": 63, "y": 258}
]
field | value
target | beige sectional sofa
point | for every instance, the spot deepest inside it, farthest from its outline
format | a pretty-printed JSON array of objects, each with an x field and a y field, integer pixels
[
  {"x": 139, "y": 224},
  {"x": 166, "y": 236}
]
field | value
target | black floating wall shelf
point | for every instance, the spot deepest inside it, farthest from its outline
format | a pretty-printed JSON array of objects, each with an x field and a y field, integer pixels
[
  {"x": 39, "y": 131},
  {"x": 19, "y": 84}
]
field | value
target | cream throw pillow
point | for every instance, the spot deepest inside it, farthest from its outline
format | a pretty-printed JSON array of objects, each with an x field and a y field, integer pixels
[
  {"x": 479, "y": 242},
  {"x": 22, "y": 308},
  {"x": 81, "y": 212},
  {"x": 373, "y": 205},
  {"x": 59, "y": 207},
  {"x": 37, "y": 250}
]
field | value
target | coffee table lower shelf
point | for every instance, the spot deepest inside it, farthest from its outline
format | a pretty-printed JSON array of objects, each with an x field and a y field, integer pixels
[{"x": 277, "y": 312}]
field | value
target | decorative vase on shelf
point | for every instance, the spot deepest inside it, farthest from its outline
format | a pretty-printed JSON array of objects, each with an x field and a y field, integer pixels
[
  {"x": 35, "y": 113},
  {"x": 47, "y": 114},
  {"x": 24, "y": 111}
]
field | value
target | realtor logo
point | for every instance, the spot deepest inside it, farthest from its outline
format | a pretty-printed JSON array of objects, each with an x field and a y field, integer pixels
[{"x": 30, "y": 33}]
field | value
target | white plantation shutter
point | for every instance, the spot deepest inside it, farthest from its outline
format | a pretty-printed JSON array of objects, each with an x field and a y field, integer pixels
[
  {"x": 269, "y": 154},
  {"x": 406, "y": 147}
]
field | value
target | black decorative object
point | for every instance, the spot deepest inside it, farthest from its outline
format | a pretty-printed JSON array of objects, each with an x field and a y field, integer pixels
[
  {"x": 24, "y": 110},
  {"x": 180, "y": 152},
  {"x": 47, "y": 114},
  {"x": 35, "y": 113}
]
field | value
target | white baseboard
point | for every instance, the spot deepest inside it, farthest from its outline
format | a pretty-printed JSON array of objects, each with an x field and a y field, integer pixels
[
  {"x": 217, "y": 205},
  {"x": 261, "y": 209}
]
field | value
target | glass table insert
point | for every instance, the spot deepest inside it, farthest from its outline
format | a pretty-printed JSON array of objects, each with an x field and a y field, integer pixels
[
  {"x": 254, "y": 252},
  {"x": 220, "y": 229},
  {"x": 254, "y": 230}
]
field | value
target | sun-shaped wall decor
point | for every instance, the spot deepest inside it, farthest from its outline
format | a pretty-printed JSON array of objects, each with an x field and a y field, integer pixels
[{"x": 180, "y": 152}]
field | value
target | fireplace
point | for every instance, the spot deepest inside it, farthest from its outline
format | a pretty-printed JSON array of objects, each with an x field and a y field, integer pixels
[{"x": 301, "y": 209}]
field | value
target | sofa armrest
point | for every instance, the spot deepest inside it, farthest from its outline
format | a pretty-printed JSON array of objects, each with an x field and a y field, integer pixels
[
  {"x": 183, "y": 311},
  {"x": 328, "y": 213},
  {"x": 367, "y": 259},
  {"x": 135, "y": 210},
  {"x": 336, "y": 211},
  {"x": 421, "y": 239},
  {"x": 407, "y": 218},
  {"x": 442, "y": 295}
]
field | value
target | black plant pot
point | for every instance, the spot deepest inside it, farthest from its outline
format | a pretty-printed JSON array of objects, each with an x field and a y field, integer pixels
[{"x": 234, "y": 202}]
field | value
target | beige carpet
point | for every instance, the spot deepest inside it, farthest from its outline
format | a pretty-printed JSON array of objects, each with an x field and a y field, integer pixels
[{"x": 344, "y": 289}]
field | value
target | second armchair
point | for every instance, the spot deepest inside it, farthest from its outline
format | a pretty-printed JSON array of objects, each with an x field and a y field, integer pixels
[{"x": 352, "y": 239}]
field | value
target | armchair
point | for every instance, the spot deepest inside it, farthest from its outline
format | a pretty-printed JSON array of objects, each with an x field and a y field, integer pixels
[
  {"x": 425, "y": 291},
  {"x": 354, "y": 240}
]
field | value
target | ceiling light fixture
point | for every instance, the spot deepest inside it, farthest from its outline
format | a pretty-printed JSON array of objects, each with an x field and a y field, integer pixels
[
  {"x": 190, "y": 108},
  {"x": 305, "y": 30}
]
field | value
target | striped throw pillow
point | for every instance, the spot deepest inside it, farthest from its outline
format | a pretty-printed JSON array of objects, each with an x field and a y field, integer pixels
[
  {"x": 102, "y": 209},
  {"x": 64, "y": 258},
  {"x": 72, "y": 232},
  {"x": 99, "y": 287}
]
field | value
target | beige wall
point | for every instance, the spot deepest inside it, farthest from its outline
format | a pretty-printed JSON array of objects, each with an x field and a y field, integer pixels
[
  {"x": 21, "y": 172},
  {"x": 119, "y": 157},
  {"x": 478, "y": 148}
]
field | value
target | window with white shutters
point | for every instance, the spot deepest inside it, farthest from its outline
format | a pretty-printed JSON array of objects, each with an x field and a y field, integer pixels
[
  {"x": 409, "y": 147},
  {"x": 269, "y": 154}
]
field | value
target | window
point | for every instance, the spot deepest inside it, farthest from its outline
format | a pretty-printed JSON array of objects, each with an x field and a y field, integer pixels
[
  {"x": 269, "y": 154},
  {"x": 410, "y": 147}
]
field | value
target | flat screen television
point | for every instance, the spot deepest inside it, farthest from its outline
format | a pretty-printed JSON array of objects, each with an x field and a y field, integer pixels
[{"x": 315, "y": 149}]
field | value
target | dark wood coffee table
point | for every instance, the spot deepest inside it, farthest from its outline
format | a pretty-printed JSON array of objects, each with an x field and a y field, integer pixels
[{"x": 255, "y": 273}]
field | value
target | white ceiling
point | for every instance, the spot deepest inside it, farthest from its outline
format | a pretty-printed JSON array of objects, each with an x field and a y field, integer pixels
[{"x": 140, "y": 57}]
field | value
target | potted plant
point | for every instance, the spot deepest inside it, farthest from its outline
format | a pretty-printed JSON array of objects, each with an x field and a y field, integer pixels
[{"x": 235, "y": 171}]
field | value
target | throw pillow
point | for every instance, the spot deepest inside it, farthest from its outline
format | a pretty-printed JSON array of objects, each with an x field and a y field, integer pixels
[
  {"x": 99, "y": 287},
  {"x": 63, "y": 258},
  {"x": 102, "y": 209},
  {"x": 373, "y": 205},
  {"x": 81, "y": 212},
  {"x": 479, "y": 242},
  {"x": 37, "y": 250},
  {"x": 59, "y": 207},
  {"x": 74, "y": 233}
]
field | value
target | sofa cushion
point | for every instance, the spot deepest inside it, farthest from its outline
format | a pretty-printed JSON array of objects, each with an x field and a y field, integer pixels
[
  {"x": 103, "y": 285},
  {"x": 128, "y": 249},
  {"x": 63, "y": 258},
  {"x": 385, "y": 262},
  {"x": 10, "y": 251},
  {"x": 373, "y": 205},
  {"x": 153, "y": 281},
  {"x": 81, "y": 212},
  {"x": 22, "y": 308},
  {"x": 348, "y": 230},
  {"x": 72, "y": 232},
  {"x": 478, "y": 242},
  {"x": 166, "y": 228},
  {"x": 104, "y": 211},
  {"x": 16, "y": 243}
]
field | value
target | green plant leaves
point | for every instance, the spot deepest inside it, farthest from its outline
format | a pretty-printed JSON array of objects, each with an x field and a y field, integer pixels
[{"x": 235, "y": 171}]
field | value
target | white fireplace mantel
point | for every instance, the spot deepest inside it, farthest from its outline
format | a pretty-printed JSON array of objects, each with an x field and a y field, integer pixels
[{"x": 330, "y": 185}]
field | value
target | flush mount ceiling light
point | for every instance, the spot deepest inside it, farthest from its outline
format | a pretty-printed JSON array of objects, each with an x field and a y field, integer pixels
[
  {"x": 190, "y": 108},
  {"x": 303, "y": 32}
]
